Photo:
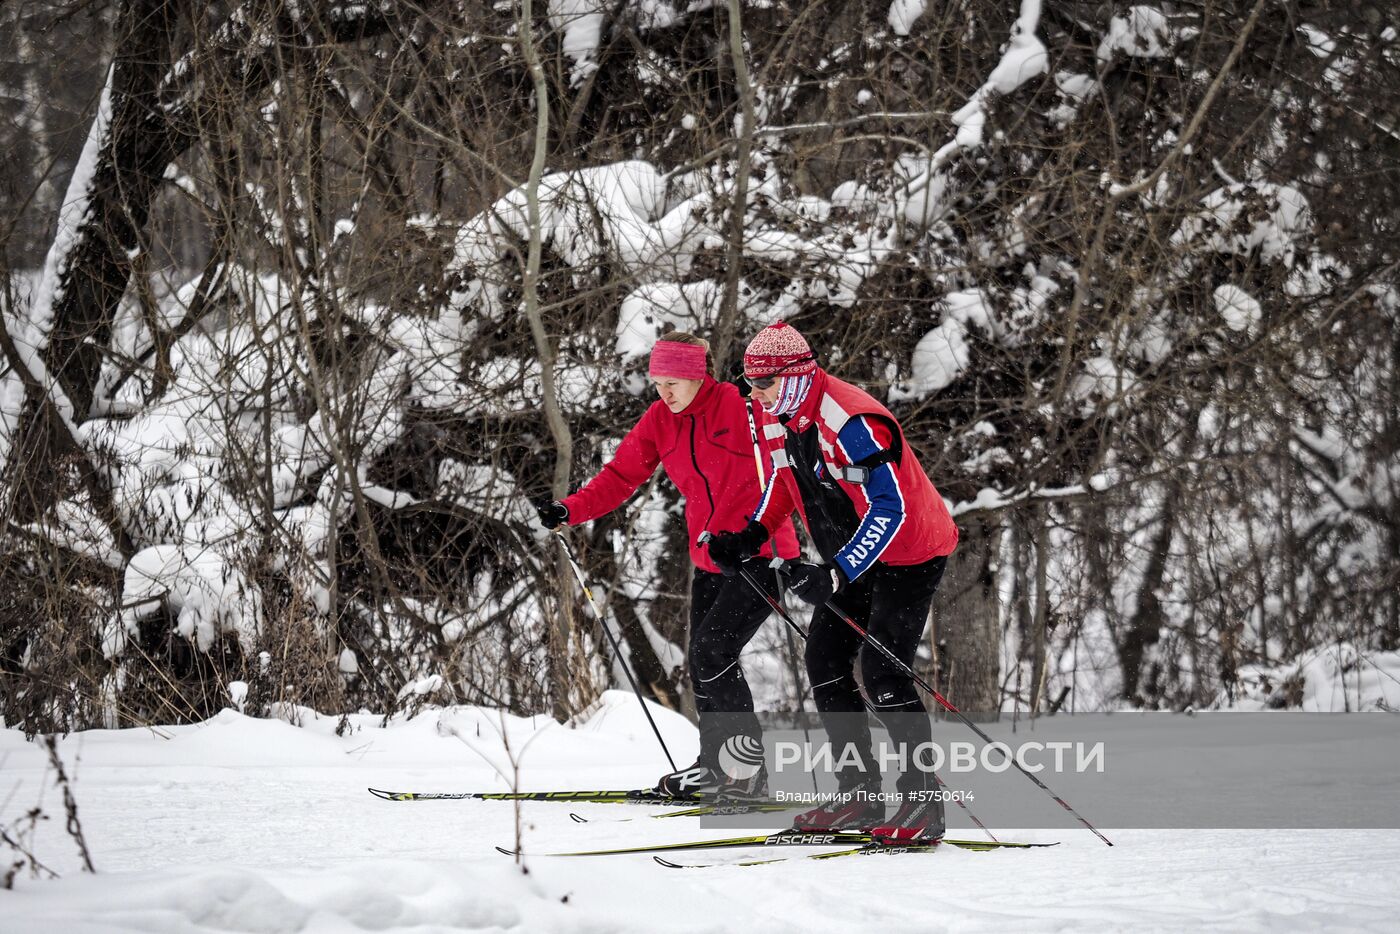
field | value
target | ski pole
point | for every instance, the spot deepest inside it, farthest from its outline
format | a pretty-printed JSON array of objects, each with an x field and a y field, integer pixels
[
  {"x": 753, "y": 436},
  {"x": 793, "y": 626},
  {"x": 774, "y": 605},
  {"x": 779, "y": 564},
  {"x": 868, "y": 709},
  {"x": 762, "y": 482},
  {"x": 743, "y": 571},
  {"x": 779, "y": 609},
  {"x": 616, "y": 646}
]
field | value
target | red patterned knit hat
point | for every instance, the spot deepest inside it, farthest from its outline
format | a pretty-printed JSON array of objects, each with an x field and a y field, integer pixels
[{"x": 779, "y": 349}]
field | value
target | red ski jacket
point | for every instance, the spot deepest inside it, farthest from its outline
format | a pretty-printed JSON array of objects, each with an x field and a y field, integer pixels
[
  {"x": 903, "y": 519},
  {"x": 707, "y": 452}
]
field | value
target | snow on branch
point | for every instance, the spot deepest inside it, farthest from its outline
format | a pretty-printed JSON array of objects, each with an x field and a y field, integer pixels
[
  {"x": 612, "y": 213},
  {"x": 918, "y": 200},
  {"x": 209, "y": 596},
  {"x": 246, "y": 43},
  {"x": 30, "y": 329},
  {"x": 990, "y": 500},
  {"x": 1245, "y": 218}
]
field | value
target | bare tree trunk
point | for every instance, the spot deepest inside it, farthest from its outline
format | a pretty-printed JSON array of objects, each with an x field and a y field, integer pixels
[
  {"x": 1041, "y": 620},
  {"x": 1143, "y": 629},
  {"x": 734, "y": 249},
  {"x": 89, "y": 263},
  {"x": 562, "y": 627},
  {"x": 966, "y": 621},
  {"x": 1390, "y": 605},
  {"x": 45, "y": 197},
  {"x": 156, "y": 112}
]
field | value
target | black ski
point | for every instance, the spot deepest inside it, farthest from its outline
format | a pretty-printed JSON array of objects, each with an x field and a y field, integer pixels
[
  {"x": 629, "y": 796},
  {"x": 867, "y": 850},
  {"x": 704, "y": 810},
  {"x": 782, "y": 838},
  {"x": 870, "y": 849}
]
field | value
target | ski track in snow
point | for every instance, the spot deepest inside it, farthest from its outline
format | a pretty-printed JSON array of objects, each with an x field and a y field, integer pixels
[{"x": 242, "y": 825}]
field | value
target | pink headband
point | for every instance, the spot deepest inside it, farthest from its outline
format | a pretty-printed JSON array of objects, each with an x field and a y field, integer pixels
[{"x": 677, "y": 360}]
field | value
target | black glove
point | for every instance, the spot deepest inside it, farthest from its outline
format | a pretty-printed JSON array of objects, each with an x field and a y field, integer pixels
[
  {"x": 552, "y": 512},
  {"x": 814, "y": 583},
  {"x": 729, "y": 549}
]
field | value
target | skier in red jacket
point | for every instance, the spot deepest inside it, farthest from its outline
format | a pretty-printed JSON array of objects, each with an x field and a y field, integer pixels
[
  {"x": 884, "y": 533},
  {"x": 699, "y": 433}
]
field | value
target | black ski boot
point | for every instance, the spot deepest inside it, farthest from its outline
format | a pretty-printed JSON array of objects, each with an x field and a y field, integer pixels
[
  {"x": 734, "y": 793},
  {"x": 695, "y": 779},
  {"x": 745, "y": 775}
]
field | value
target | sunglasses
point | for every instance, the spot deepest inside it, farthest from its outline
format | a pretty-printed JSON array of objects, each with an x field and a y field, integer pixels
[{"x": 766, "y": 382}]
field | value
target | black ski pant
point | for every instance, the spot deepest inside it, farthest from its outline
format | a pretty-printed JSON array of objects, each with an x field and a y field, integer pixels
[
  {"x": 892, "y": 604},
  {"x": 725, "y": 612}
]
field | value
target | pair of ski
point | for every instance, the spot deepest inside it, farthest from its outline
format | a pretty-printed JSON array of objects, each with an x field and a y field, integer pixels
[
  {"x": 630, "y": 796},
  {"x": 696, "y": 805},
  {"x": 856, "y": 843}
]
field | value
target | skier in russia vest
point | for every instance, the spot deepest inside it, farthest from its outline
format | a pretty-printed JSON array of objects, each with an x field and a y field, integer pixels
[
  {"x": 841, "y": 459},
  {"x": 900, "y": 517}
]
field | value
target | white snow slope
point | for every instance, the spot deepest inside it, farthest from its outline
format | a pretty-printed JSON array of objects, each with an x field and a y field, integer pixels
[{"x": 243, "y": 825}]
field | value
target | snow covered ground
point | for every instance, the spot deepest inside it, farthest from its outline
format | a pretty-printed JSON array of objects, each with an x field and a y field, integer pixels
[{"x": 243, "y": 825}]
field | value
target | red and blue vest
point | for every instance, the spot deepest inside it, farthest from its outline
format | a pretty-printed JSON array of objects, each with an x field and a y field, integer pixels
[{"x": 859, "y": 450}]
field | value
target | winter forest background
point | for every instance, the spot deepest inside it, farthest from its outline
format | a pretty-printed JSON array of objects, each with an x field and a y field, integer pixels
[{"x": 301, "y": 299}]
